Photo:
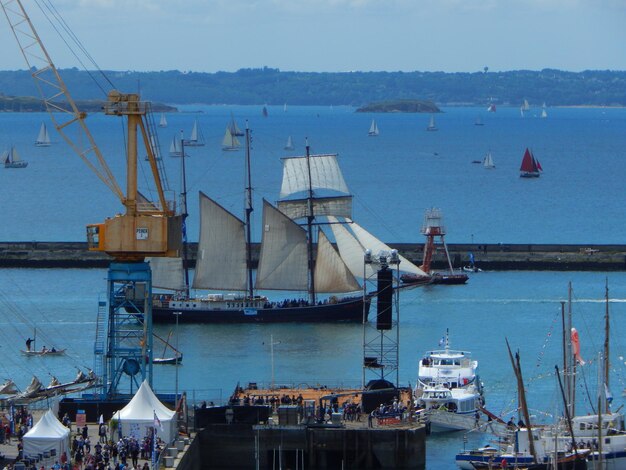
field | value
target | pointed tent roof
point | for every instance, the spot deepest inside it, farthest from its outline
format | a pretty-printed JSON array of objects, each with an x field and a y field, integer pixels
[
  {"x": 144, "y": 405},
  {"x": 48, "y": 427}
]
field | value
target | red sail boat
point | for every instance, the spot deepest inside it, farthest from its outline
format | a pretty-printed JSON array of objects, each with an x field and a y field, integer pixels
[{"x": 530, "y": 166}]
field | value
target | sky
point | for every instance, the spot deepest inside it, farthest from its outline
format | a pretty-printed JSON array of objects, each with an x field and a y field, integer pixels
[{"x": 335, "y": 35}]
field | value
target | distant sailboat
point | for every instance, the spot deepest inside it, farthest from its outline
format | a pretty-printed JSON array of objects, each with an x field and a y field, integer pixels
[
  {"x": 230, "y": 142},
  {"x": 265, "y": 114},
  {"x": 285, "y": 108},
  {"x": 289, "y": 144},
  {"x": 196, "y": 139},
  {"x": 373, "y": 129},
  {"x": 233, "y": 127},
  {"x": 479, "y": 121},
  {"x": 43, "y": 139},
  {"x": 525, "y": 105},
  {"x": 488, "y": 162},
  {"x": 492, "y": 106},
  {"x": 163, "y": 121},
  {"x": 530, "y": 166},
  {"x": 175, "y": 148},
  {"x": 544, "y": 113},
  {"x": 521, "y": 111},
  {"x": 431, "y": 124},
  {"x": 12, "y": 159}
]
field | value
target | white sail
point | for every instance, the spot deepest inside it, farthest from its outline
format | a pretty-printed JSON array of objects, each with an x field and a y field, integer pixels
[
  {"x": 221, "y": 260},
  {"x": 488, "y": 161},
  {"x": 230, "y": 142},
  {"x": 544, "y": 113},
  {"x": 175, "y": 148},
  {"x": 367, "y": 241},
  {"x": 289, "y": 144},
  {"x": 350, "y": 250},
  {"x": 15, "y": 157},
  {"x": 322, "y": 206},
  {"x": 373, "y": 128},
  {"x": 43, "y": 138},
  {"x": 283, "y": 259},
  {"x": 234, "y": 128},
  {"x": 325, "y": 174},
  {"x": 163, "y": 121},
  {"x": 331, "y": 273},
  {"x": 196, "y": 139},
  {"x": 194, "y": 132},
  {"x": 167, "y": 273}
]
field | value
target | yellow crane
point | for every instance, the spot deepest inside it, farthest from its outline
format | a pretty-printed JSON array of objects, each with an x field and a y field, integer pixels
[{"x": 146, "y": 228}]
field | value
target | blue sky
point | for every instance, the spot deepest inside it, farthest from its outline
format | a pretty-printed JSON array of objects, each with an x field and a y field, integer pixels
[{"x": 338, "y": 35}]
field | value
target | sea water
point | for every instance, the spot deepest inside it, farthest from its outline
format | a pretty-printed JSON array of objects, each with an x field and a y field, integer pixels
[{"x": 394, "y": 177}]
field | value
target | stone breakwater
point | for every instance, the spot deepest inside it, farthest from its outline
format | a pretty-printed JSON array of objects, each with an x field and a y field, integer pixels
[{"x": 499, "y": 256}]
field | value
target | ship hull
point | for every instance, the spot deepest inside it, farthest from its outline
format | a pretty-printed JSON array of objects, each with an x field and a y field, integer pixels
[{"x": 342, "y": 311}]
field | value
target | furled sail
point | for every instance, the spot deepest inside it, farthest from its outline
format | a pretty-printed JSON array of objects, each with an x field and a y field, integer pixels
[
  {"x": 167, "y": 273},
  {"x": 331, "y": 273},
  {"x": 324, "y": 170},
  {"x": 221, "y": 260},
  {"x": 283, "y": 258},
  {"x": 352, "y": 248}
]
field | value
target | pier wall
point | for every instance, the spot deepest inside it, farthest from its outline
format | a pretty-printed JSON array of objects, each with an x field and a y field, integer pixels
[
  {"x": 500, "y": 256},
  {"x": 238, "y": 446}
]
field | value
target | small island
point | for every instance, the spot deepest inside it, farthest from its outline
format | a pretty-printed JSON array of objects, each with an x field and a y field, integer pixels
[{"x": 400, "y": 106}]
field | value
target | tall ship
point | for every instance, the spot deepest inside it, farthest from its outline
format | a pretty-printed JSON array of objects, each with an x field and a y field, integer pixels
[{"x": 313, "y": 194}]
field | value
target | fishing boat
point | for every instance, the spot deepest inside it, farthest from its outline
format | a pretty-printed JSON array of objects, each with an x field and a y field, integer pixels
[
  {"x": 43, "y": 138},
  {"x": 373, "y": 129},
  {"x": 286, "y": 262},
  {"x": 12, "y": 159},
  {"x": 488, "y": 162},
  {"x": 175, "y": 147},
  {"x": 234, "y": 128},
  {"x": 431, "y": 125},
  {"x": 530, "y": 167},
  {"x": 433, "y": 227},
  {"x": 163, "y": 121},
  {"x": 289, "y": 144},
  {"x": 196, "y": 139},
  {"x": 449, "y": 389},
  {"x": 230, "y": 143}
]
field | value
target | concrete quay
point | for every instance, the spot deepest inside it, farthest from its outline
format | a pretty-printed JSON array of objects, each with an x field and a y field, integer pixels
[{"x": 495, "y": 256}]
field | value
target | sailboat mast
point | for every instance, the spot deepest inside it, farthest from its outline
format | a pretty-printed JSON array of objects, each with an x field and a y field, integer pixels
[
  {"x": 309, "y": 222},
  {"x": 184, "y": 214},
  {"x": 570, "y": 371},
  {"x": 249, "y": 210},
  {"x": 606, "y": 341}
]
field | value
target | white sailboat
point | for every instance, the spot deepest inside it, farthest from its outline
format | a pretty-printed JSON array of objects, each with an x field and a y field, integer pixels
[
  {"x": 43, "y": 139},
  {"x": 373, "y": 129},
  {"x": 230, "y": 142},
  {"x": 544, "y": 113},
  {"x": 12, "y": 159},
  {"x": 163, "y": 121},
  {"x": 234, "y": 128},
  {"x": 175, "y": 148},
  {"x": 196, "y": 139},
  {"x": 525, "y": 105},
  {"x": 488, "y": 162},
  {"x": 289, "y": 145},
  {"x": 431, "y": 124}
]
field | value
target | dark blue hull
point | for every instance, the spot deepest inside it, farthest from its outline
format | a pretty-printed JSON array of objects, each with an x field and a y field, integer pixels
[{"x": 349, "y": 310}]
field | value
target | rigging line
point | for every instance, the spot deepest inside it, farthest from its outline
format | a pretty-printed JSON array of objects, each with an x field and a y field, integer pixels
[{"x": 75, "y": 39}]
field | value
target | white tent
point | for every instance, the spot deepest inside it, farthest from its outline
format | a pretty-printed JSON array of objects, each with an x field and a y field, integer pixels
[
  {"x": 47, "y": 434},
  {"x": 138, "y": 417}
]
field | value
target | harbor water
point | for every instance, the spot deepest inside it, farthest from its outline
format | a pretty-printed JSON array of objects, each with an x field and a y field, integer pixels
[{"x": 394, "y": 177}]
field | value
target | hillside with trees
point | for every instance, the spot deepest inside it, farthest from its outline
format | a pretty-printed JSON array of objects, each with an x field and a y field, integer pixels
[{"x": 272, "y": 86}]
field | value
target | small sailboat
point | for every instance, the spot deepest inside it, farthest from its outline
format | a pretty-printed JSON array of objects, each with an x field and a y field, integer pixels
[
  {"x": 479, "y": 121},
  {"x": 196, "y": 139},
  {"x": 544, "y": 113},
  {"x": 289, "y": 144},
  {"x": 488, "y": 161},
  {"x": 230, "y": 142},
  {"x": 163, "y": 121},
  {"x": 431, "y": 124},
  {"x": 373, "y": 129},
  {"x": 43, "y": 139},
  {"x": 265, "y": 114},
  {"x": 530, "y": 167},
  {"x": 12, "y": 159},
  {"x": 521, "y": 111},
  {"x": 175, "y": 148},
  {"x": 525, "y": 105}
]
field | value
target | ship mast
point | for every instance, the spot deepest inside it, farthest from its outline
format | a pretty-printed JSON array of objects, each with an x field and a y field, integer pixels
[
  {"x": 309, "y": 223},
  {"x": 248, "y": 215},
  {"x": 606, "y": 343},
  {"x": 184, "y": 214}
]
